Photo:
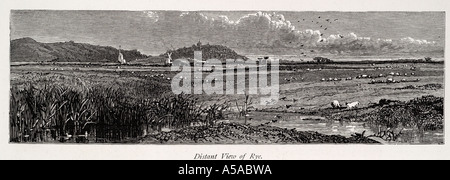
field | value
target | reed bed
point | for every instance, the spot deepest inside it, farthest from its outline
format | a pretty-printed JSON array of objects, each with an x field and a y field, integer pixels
[{"x": 101, "y": 114}]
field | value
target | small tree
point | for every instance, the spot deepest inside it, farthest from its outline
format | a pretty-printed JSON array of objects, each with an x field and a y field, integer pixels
[
  {"x": 428, "y": 59},
  {"x": 243, "y": 111}
]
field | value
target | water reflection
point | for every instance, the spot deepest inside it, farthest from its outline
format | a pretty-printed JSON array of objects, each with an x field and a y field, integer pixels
[{"x": 324, "y": 126}]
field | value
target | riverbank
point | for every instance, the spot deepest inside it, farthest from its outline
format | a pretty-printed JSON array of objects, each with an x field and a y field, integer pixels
[{"x": 234, "y": 133}]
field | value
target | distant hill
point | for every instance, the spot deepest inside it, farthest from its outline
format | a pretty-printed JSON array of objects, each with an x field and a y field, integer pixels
[
  {"x": 208, "y": 52},
  {"x": 29, "y": 50}
]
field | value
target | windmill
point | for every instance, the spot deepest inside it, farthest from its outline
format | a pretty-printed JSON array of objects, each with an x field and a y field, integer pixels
[
  {"x": 168, "y": 53},
  {"x": 169, "y": 58},
  {"x": 121, "y": 58}
]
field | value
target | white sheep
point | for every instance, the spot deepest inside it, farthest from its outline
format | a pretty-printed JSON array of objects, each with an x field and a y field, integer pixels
[
  {"x": 335, "y": 104},
  {"x": 352, "y": 105}
]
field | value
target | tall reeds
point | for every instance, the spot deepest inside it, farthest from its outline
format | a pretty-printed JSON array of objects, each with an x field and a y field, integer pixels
[{"x": 100, "y": 114}]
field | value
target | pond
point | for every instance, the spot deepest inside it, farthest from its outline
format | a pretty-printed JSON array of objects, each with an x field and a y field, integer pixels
[{"x": 328, "y": 127}]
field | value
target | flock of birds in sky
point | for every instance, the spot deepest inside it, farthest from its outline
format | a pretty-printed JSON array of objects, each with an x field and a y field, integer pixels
[{"x": 322, "y": 23}]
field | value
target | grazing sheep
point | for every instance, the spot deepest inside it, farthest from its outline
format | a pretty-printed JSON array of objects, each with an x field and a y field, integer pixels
[
  {"x": 277, "y": 118},
  {"x": 390, "y": 80},
  {"x": 349, "y": 78},
  {"x": 392, "y": 73},
  {"x": 352, "y": 105},
  {"x": 335, "y": 104},
  {"x": 397, "y": 74},
  {"x": 412, "y": 74},
  {"x": 381, "y": 75},
  {"x": 364, "y": 76},
  {"x": 323, "y": 79}
]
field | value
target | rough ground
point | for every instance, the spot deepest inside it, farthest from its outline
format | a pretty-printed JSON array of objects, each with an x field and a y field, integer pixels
[{"x": 232, "y": 133}]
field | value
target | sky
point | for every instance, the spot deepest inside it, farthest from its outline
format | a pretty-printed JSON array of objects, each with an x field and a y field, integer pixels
[{"x": 154, "y": 32}]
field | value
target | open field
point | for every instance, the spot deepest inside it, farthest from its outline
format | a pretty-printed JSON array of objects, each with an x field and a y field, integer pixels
[{"x": 306, "y": 91}]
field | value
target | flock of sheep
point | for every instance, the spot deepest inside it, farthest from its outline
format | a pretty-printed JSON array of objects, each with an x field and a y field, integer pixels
[
  {"x": 373, "y": 81},
  {"x": 364, "y": 76},
  {"x": 56, "y": 69},
  {"x": 336, "y": 105}
]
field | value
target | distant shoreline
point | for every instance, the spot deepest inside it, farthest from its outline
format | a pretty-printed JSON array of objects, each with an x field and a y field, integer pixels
[{"x": 283, "y": 62}]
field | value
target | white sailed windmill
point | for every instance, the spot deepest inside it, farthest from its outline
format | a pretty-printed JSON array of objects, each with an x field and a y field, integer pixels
[
  {"x": 169, "y": 59},
  {"x": 121, "y": 59}
]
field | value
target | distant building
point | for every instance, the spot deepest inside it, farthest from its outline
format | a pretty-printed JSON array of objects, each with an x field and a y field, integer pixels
[{"x": 121, "y": 58}]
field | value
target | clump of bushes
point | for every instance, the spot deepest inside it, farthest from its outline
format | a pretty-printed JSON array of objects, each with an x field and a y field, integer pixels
[
  {"x": 322, "y": 60},
  {"x": 424, "y": 114},
  {"x": 425, "y": 87}
]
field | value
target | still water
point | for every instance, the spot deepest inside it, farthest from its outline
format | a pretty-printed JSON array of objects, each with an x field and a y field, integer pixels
[{"x": 324, "y": 126}]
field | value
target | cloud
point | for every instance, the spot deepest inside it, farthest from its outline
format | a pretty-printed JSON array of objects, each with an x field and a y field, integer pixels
[
  {"x": 273, "y": 30},
  {"x": 152, "y": 15},
  {"x": 416, "y": 41}
]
